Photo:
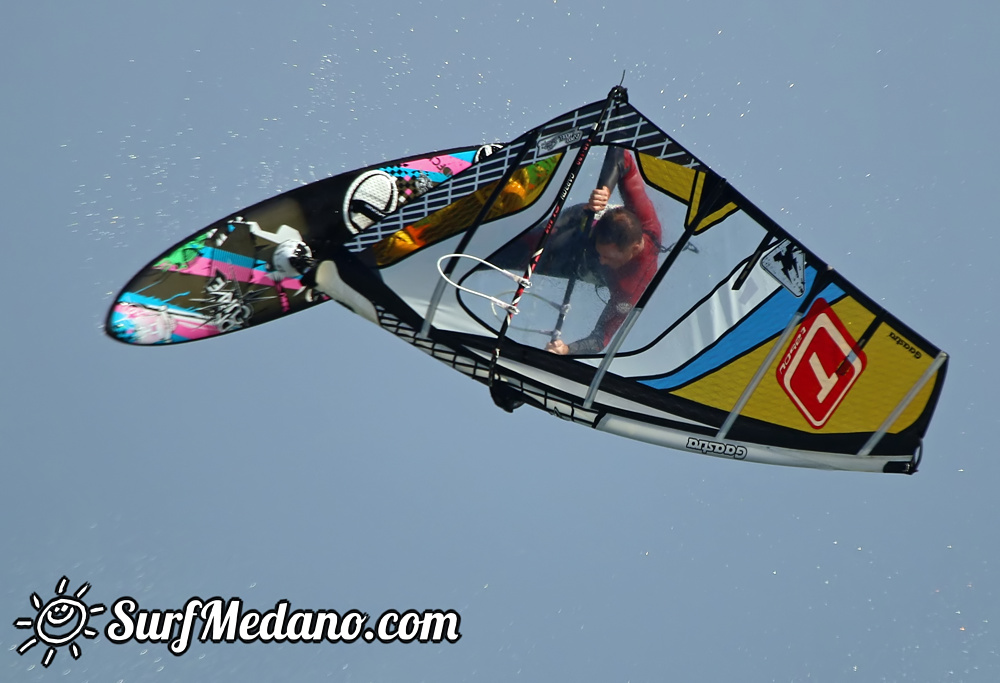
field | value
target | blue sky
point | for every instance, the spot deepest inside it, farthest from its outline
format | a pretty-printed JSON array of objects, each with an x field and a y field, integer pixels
[{"x": 320, "y": 460}]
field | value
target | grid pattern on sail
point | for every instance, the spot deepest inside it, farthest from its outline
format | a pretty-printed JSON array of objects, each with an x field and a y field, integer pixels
[
  {"x": 487, "y": 171},
  {"x": 625, "y": 127},
  {"x": 628, "y": 128}
]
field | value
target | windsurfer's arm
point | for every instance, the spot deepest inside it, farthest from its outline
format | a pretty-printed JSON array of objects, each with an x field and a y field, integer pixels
[
  {"x": 633, "y": 191},
  {"x": 595, "y": 341}
]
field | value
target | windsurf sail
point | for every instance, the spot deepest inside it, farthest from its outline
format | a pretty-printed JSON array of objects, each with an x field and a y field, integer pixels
[{"x": 723, "y": 335}]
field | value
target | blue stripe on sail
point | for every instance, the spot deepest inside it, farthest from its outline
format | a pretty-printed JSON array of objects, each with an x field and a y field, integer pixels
[{"x": 766, "y": 322}]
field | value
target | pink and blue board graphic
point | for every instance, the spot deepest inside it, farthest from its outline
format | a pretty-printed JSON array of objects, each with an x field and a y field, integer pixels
[{"x": 224, "y": 277}]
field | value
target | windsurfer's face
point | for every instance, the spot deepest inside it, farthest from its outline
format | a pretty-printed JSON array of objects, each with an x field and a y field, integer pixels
[{"x": 614, "y": 258}]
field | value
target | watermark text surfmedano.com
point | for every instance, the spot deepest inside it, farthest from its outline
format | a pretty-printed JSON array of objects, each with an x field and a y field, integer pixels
[
  {"x": 226, "y": 621},
  {"x": 63, "y": 620}
]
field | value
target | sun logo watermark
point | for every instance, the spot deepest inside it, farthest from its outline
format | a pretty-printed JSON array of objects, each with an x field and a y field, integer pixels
[{"x": 59, "y": 622}]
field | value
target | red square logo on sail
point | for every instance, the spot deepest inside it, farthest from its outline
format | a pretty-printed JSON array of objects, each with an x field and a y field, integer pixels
[{"x": 821, "y": 365}]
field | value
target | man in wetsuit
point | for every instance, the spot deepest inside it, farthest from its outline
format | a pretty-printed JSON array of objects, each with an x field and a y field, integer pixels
[{"x": 627, "y": 240}]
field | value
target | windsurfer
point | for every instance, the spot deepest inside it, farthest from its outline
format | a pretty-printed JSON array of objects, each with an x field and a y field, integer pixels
[{"x": 627, "y": 243}]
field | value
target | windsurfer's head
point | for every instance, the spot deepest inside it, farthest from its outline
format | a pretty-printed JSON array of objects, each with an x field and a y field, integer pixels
[{"x": 618, "y": 237}]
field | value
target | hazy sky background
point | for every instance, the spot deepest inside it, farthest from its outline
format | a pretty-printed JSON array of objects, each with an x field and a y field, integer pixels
[{"x": 320, "y": 460}]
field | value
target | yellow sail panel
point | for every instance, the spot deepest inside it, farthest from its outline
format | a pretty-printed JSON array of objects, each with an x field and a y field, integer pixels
[
  {"x": 676, "y": 180},
  {"x": 686, "y": 185},
  {"x": 799, "y": 389},
  {"x": 770, "y": 402},
  {"x": 722, "y": 388},
  {"x": 897, "y": 366},
  {"x": 524, "y": 187},
  {"x": 716, "y": 217},
  {"x": 890, "y": 372},
  {"x": 695, "y": 200}
]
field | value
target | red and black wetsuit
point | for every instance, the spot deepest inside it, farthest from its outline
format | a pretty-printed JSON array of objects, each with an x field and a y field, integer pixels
[{"x": 627, "y": 283}]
